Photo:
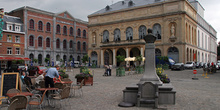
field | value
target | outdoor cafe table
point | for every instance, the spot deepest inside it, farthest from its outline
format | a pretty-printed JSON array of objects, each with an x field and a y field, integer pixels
[{"x": 21, "y": 93}]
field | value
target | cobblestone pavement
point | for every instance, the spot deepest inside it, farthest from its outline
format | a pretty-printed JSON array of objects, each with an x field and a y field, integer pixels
[{"x": 106, "y": 92}]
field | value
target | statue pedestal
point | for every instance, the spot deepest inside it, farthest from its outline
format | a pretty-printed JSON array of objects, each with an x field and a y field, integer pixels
[{"x": 167, "y": 94}]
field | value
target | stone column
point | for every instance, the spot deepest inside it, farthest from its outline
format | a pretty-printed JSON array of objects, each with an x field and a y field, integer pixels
[
  {"x": 142, "y": 54},
  {"x": 114, "y": 62},
  {"x": 150, "y": 74},
  {"x": 102, "y": 59},
  {"x": 127, "y": 55}
]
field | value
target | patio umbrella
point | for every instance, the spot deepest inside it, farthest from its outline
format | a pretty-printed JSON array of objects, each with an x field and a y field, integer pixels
[{"x": 130, "y": 59}]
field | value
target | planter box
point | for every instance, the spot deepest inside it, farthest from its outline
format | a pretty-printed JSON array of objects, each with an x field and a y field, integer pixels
[
  {"x": 88, "y": 80},
  {"x": 120, "y": 72}
]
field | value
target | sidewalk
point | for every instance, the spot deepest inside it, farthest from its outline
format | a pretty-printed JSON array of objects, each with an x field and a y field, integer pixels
[{"x": 106, "y": 92}]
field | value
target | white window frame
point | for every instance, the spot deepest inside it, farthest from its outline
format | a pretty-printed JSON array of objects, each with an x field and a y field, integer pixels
[
  {"x": 17, "y": 51},
  {"x": 17, "y": 28},
  {"x": 8, "y": 38},
  {"x": 9, "y": 27},
  {"x": 17, "y": 39},
  {"x": 9, "y": 51}
]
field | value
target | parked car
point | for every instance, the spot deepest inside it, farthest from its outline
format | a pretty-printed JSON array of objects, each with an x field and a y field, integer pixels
[
  {"x": 178, "y": 66},
  {"x": 36, "y": 70},
  {"x": 198, "y": 65},
  {"x": 190, "y": 65}
]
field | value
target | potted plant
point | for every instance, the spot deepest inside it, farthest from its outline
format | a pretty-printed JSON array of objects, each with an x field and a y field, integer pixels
[
  {"x": 163, "y": 77},
  {"x": 63, "y": 74},
  {"x": 120, "y": 71},
  {"x": 86, "y": 75},
  {"x": 139, "y": 69}
]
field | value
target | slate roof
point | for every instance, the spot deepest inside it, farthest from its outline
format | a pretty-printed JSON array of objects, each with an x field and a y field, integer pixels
[
  {"x": 12, "y": 19},
  {"x": 126, "y": 4}
]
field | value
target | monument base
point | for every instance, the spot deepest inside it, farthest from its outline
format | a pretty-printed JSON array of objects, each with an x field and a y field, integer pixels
[{"x": 167, "y": 94}]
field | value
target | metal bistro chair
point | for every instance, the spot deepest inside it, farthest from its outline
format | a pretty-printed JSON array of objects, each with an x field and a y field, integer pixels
[
  {"x": 77, "y": 87},
  {"x": 36, "y": 99},
  {"x": 64, "y": 94},
  {"x": 22, "y": 101}
]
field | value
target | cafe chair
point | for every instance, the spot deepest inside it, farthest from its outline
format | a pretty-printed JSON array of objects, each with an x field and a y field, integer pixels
[
  {"x": 42, "y": 84},
  {"x": 64, "y": 94},
  {"x": 22, "y": 101},
  {"x": 67, "y": 79},
  {"x": 13, "y": 105},
  {"x": 13, "y": 90},
  {"x": 77, "y": 87},
  {"x": 36, "y": 99},
  {"x": 59, "y": 85}
]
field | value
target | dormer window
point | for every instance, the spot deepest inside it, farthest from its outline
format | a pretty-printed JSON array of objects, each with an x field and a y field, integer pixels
[
  {"x": 9, "y": 27},
  {"x": 130, "y": 3},
  {"x": 107, "y": 8},
  {"x": 17, "y": 28}
]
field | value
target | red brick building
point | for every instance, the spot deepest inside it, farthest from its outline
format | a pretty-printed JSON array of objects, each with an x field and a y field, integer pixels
[
  {"x": 12, "y": 43},
  {"x": 52, "y": 35}
]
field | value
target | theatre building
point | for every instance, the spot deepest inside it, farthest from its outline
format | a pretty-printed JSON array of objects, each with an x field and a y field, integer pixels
[
  {"x": 57, "y": 36},
  {"x": 179, "y": 25}
]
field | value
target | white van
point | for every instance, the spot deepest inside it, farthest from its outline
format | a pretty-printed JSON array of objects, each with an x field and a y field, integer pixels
[{"x": 76, "y": 64}]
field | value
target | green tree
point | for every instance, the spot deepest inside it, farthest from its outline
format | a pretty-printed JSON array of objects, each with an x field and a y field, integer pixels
[
  {"x": 120, "y": 59},
  {"x": 139, "y": 59},
  {"x": 85, "y": 59},
  {"x": 46, "y": 60},
  {"x": 35, "y": 60}
]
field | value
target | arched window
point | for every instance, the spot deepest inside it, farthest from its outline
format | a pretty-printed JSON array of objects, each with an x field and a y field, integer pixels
[
  {"x": 84, "y": 46},
  {"x": 78, "y": 46},
  {"x": 71, "y": 44},
  {"x": 142, "y": 31},
  {"x": 129, "y": 33},
  {"x": 31, "y": 40},
  {"x": 48, "y": 27},
  {"x": 84, "y": 33},
  {"x": 64, "y": 30},
  {"x": 58, "y": 29},
  {"x": 117, "y": 35},
  {"x": 40, "y": 40},
  {"x": 48, "y": 42},
  {"x": 79, "y": 33},
  {"x": 64, "y": 58},
  {"x": 31, "y": 56},
  {"x": 157, "y": 31},
  {"x": 71, "y": 31},
  {"x": 105, "y": 36},
  {"x": 39, "y": 59},
  {"x": 58, "y": 43},
  {"x": 64, "y": 44},
  {"x": 31, "y": 24},
  {"x": 40, "y": 25},
  {"x": 157, "y": 52}
]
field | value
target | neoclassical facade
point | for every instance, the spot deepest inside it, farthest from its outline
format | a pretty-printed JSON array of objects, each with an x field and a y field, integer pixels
[
  {"x": 52, "y": 35},
  {"x": 181, "y": 31}
]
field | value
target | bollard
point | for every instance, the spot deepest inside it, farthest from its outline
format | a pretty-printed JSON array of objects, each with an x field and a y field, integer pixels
[
  {"x": 206, "y": 75},
  {"x": 195, "y": 72}
]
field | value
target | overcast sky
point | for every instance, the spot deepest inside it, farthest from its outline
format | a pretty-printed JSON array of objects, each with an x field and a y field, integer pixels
[{"x": 82, "y": 8}]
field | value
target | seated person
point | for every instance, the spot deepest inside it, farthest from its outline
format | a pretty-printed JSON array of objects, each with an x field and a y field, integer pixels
[
  {"x": 39, "y": 78},
  {"x": 23, "y": 76}
]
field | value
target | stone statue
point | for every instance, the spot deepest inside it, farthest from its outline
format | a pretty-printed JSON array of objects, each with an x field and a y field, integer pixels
[
  {"x": 94, "y": 39},
  {"x": 172, "y": 30}
]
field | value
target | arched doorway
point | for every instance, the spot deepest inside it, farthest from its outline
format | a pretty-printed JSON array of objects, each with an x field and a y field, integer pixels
[
  {"x": 173, "y": 52},
  {"x": 40, "y": 59},
  {"x": 121, "y": 52},
  {"x": 134, "y": 53},
  {"x": 108, "y": 55},
  {"x": 94, "y": 57}
]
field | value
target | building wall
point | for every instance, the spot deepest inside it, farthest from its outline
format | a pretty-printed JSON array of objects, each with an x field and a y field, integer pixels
[
  {"x": 178, "y": 13},
  {"x": 63, "y": 19}
]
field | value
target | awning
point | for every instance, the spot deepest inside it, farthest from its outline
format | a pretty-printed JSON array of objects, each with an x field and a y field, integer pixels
[{"x": 14, "y": 58}]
